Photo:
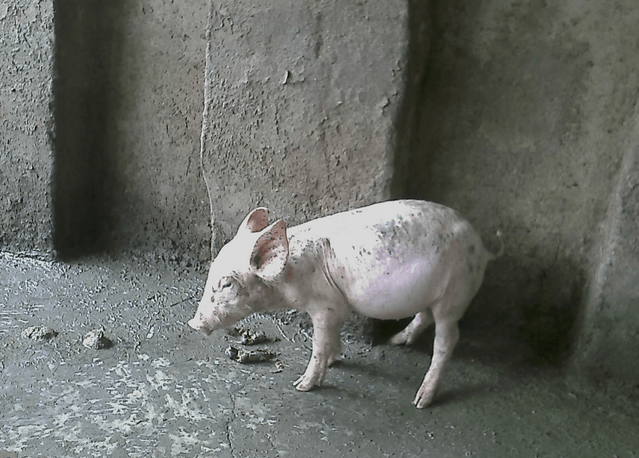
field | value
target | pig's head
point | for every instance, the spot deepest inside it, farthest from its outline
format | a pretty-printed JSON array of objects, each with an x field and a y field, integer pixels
[{"x": 243, "y": 274}]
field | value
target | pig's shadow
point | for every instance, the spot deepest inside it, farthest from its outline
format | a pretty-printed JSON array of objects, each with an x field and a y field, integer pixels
[{"x": 408, "y": 381}]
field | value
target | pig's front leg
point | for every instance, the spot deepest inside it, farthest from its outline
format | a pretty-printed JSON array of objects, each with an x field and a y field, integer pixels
[{"x": 326, "y": 347}]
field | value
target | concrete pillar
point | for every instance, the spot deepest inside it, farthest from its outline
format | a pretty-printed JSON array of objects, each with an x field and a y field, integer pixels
[
  {"x": 26, "y": 124},
  {"x": 304, "y": 103},
  {"x": 608, "y": 343}
]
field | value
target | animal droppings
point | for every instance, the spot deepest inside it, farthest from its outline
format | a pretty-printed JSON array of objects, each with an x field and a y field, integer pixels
[
  {"x": 38, "y": 333},
  {"x": 249, "y": 337},
  {"x": 249, "y": 356},
  {"x": 96, "y": 340}
]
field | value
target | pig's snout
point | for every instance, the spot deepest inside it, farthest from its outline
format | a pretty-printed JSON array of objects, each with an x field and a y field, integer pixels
[{"x": 198, "y": 325}]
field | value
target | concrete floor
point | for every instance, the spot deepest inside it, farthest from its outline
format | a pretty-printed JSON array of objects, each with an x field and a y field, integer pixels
[{"x": 164, "y": 390}]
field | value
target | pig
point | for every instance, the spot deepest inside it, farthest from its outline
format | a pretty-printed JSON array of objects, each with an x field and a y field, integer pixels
[{"x": 391, "y": 260}]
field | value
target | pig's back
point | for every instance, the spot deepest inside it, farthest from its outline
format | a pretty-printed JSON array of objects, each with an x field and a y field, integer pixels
[{"x": 391, "y": 258}]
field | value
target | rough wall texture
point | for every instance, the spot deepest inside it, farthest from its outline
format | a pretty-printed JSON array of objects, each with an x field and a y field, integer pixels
[
  {"x": 527, "y": 113},
  {"x": 609, "y": 325},
  {"x": 159, "y": 200},
  {"x": 303, "y": 102},
  {"x": 129, "y": 92},
  {"x": 26, "y": 121}
]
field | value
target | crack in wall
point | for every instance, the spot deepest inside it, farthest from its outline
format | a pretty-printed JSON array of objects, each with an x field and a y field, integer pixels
[{"x": 205, "y": 123}]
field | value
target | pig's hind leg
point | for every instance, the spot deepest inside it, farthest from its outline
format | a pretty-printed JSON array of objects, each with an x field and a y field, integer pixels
[
  {"x": 446, "y": 337},
  {"x": 411, "y": 332},
  {"x": 446, "y": 312}
]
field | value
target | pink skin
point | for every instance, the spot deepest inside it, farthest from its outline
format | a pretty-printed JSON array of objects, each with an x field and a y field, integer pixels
[{"x": 389, "y": 261}]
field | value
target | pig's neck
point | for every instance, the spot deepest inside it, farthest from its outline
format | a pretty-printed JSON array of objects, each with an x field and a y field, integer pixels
[{"x": 306, "y": 279}]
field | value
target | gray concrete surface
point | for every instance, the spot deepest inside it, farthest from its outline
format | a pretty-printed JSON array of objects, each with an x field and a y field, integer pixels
[
  {"x": 159, "y": 201},
  {"x": 164, "y": 390},
  {"x": 128, "y": 119},
  {"x": 609, "y": 325},
  {"x": 26, "y": 122}
]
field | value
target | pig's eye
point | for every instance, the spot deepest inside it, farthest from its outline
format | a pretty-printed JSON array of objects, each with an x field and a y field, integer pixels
[{"x": 224, "y": 283}]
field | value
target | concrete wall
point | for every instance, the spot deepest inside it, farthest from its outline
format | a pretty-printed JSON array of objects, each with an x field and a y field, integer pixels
[
  {"x": 114, "y": 162},
  {"x": 82, "y": 109},
  {"x": 160, "y": 202},
  {"x": 607, "y": 344},
  {"x": 520, "y": 115},
  {"x": 306, "y": 105},
  {"x": 528, "y": 112},
  {"x": 128, "y": 112},
  {"x": 26, "y": 122}
]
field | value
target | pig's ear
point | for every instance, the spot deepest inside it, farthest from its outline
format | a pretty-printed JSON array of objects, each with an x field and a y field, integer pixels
[
  {"x": 270, "y": 252},
  {"x": 256, "y": 221}
]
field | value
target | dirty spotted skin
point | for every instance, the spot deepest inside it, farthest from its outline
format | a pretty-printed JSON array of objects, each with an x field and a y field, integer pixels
[{"x": 390, "y": 260}]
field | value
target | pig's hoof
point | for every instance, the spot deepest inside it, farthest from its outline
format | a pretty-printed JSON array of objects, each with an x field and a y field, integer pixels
[
  {"x": 423, "y": 399},
  {"x": 305, "y": 383},
  {"x": 401, "y": 339}
]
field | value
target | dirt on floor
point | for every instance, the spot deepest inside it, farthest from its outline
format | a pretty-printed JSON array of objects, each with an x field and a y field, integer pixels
[{"x": 96, "y": 359}]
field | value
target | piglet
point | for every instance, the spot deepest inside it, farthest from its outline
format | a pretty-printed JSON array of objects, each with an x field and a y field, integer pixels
[{"x": 390, "y": 260}]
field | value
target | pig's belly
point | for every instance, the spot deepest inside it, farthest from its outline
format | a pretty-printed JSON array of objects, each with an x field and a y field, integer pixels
[
  {"x": 394, "y": 259},
  {"x": 393, "y": 291}
]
